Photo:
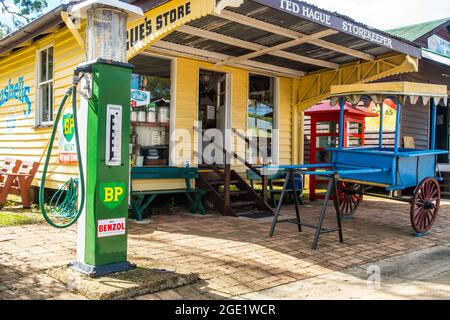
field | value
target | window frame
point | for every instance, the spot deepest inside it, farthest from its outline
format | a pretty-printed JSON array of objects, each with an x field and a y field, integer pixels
[
  {"x": 276, "y": 115},
  {"x": 39, "y": 121}
]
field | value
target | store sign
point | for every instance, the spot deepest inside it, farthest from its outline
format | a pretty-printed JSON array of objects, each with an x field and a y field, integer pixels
[
  {"x": 161, "y": 20},
  {"x": 439, "y": 45},
  {"x": 312, "y": 13},
  {"x": 67, "y": 145},
  {"x": 16, "y": 91},
  {"x": 140, "y": 98},
  {"x": 111, "y": 228}
]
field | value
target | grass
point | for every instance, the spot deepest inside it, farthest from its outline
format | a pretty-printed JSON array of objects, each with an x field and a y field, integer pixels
[
  {"x": 13, "y": 215},
  {"x": 10, "y": 219}
]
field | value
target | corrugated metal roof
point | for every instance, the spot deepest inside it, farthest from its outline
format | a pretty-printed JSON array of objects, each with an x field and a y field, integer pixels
[{"x": 415, "y": 31}]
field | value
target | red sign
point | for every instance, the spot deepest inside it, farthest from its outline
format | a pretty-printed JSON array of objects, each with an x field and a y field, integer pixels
[{"x": 111, "y": 228}]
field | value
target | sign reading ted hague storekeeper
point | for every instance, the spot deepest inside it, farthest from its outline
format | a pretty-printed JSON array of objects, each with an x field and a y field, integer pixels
[
  {"x": 162, "y": 19},
  {"x": 313, "y": 14}
]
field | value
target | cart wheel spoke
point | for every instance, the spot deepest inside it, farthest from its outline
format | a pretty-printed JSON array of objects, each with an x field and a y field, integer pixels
[
  {"x": 350, "y": 197},
  {"x": 425, "y": 205}
]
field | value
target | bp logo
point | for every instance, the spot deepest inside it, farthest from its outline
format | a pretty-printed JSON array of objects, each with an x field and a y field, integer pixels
[
  {"x": 68, "y": 127},
  {"x": 112, "y": 194}
]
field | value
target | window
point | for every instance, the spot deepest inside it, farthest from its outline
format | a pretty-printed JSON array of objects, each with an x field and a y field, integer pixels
[
  {"x": 261, "y": 119},
  {"x": 45, "y": 87},
  {"x": 151, "y": 86}
]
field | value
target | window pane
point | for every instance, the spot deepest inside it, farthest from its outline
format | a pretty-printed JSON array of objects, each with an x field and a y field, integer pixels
[
  {"x": 46, "y": 94},
  {"x": 50, "y": 101},
  {"x": 150, "y": 128},
  {"x": 327, "y": 142},
  {"x": 43, "y": 75},
  {"x": 354, "y": 142},
  {"x": 50, "y": 64},
  {"x": 354, "y": 128},
  {"x": 323, "y": 156},
  {"x": 44, "y": 103},
  {"x": 261, "y": 118},
  {"x": 327, "y": 127}
]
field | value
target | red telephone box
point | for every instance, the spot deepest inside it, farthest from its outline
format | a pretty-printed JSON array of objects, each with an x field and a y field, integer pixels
[{"x": 325, "y": 134}]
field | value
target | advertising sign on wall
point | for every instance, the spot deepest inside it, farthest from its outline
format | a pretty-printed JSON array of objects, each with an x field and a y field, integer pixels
[
  {"x": 140, "y": 98},
  {"x": 389, "y": 118},
  {"x": 67, "y": 146}
]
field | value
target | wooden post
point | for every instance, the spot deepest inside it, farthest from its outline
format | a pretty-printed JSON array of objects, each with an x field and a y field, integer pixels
[
  {"x": 433, "y": 124},
  {"x": 227, "y": 184}
]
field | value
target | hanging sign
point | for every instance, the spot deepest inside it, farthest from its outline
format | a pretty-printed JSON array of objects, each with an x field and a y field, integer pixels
[
  {"x": 140, "y": 98},
  {"x": 162, "y": 20},
  {"x": 67, "y": 144},
  {"x": 322, "y": 17}
]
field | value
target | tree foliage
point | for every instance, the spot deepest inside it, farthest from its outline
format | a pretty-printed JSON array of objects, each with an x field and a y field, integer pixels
[{"x": 16, "y": 13}]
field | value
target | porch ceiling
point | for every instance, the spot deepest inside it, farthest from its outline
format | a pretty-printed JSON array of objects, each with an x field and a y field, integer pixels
[{"x": 269, "y": 40}]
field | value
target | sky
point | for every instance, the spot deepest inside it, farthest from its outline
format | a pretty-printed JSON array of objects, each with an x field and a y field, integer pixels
[{"x": 380, "y": 14}]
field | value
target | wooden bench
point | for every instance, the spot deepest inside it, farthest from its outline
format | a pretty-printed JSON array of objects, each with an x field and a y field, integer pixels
[
  {"x": 11, "y": 165},
  {"x": 19, "y": 183},
  {"x": 273, "y": 180},
  {"x": 141, "y": 200}
]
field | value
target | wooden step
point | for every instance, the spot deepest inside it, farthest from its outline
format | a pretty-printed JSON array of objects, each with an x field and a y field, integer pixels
[
  {"x": 221, "y": 182},
  {"x": 237, "y": 193},
  {"x": 241, "y": 204}
]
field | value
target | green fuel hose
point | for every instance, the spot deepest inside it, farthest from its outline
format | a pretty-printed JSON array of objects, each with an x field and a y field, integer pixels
[{"x": 64, "y": 204}]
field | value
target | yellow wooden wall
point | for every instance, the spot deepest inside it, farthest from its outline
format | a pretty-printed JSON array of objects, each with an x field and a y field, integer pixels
[
  {"x": 25, "y": 141},
  {"x": 187, "y": 104}
]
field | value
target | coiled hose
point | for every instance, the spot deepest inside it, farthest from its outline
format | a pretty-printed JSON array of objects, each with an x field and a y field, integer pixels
[{"x": 64, "y": 204}]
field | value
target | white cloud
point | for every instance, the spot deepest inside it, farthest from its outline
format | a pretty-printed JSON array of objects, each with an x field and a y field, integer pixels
[{"x": 388, "y": 14}]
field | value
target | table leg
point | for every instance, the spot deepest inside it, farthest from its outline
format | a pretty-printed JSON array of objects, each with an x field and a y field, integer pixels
[
  {"x": 322, "y": 213},
  {"x": 280, "y": 204},
  {"x": 295, "y": 195},
  {"x": 336, "y": 207}
]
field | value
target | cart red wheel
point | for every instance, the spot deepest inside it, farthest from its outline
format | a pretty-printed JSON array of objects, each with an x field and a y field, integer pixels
[
  {"x": 425, "y": 205},
  {"x": 350, "y": 197}
]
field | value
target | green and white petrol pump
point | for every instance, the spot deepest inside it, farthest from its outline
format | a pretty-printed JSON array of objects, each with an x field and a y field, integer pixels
[{"x": 102, "y": 131}]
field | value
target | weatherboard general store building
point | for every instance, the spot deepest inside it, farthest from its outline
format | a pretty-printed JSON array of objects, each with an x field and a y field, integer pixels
[{"x": 231, "y": 65}]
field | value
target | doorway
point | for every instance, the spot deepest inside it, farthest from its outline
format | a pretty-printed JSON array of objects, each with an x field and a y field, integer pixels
[
  {"x": 442, "y": 132},
  {"x": 214, "y": 116}
]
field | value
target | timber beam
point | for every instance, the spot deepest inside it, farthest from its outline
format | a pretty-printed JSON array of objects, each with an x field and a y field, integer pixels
[
  {"x": 258, "y": 24},
  {"x": 316, "y": 87},
  {"x": 215, "y": 57},
  {"x": 260, "y": 49}
]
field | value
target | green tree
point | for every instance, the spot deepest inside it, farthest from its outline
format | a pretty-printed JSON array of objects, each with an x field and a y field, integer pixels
[{"x": 16, "y": 13}]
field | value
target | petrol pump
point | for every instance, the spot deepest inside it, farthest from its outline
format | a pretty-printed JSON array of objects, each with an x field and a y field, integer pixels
[{"x": 102, "y": 131}]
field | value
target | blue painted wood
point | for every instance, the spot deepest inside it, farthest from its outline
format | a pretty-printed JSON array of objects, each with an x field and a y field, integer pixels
[
  {"x": 150, "y": 173},
  {"x": 397, "y": 168}
]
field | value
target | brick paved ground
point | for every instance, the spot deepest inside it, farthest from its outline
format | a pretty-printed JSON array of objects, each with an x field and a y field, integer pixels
[{"x": 233, "y": 256}]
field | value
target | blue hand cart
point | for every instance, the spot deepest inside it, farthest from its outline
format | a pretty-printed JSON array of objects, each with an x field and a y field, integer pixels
[{"x": 407, "y": 175}]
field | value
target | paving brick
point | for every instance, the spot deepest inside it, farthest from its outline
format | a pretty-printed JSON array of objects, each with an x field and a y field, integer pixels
[{"x": 233, "y": 256}]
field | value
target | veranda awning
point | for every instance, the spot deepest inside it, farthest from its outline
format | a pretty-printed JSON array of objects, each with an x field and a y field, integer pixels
[{"x": 378, "y": 92}]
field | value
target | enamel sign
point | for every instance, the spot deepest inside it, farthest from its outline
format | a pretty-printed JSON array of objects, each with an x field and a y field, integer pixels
[
  {"x": 324, "y": 18},
  {"x": 162, "y": 20},
  {"x": 111, "y": 228},
  {"x": 67, "y": 144},
  {"x": 140, "y": 98}
]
